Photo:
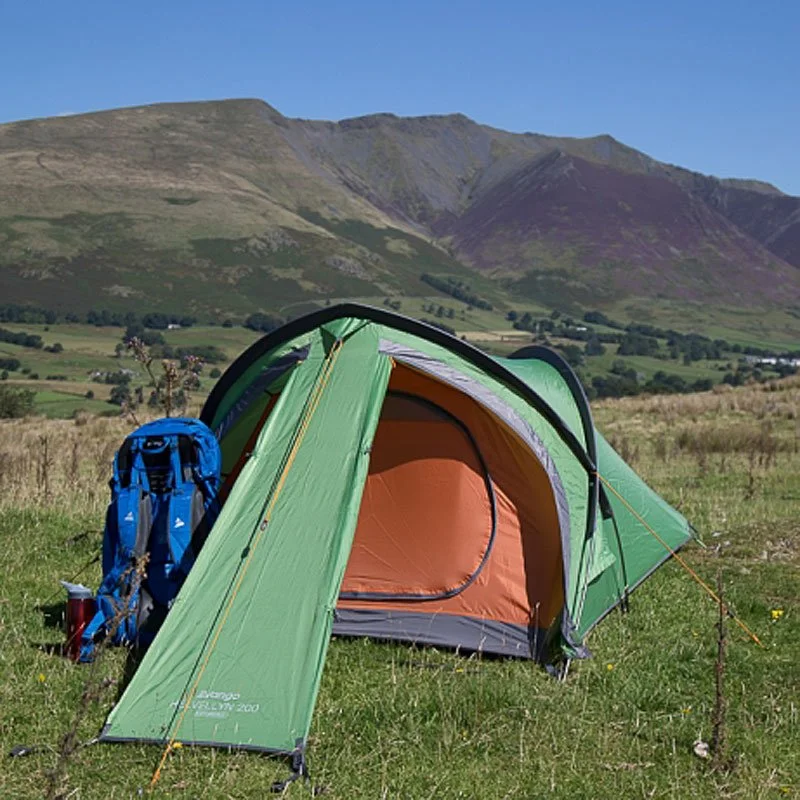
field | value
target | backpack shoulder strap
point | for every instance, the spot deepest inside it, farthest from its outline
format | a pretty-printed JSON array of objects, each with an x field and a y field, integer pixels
[
  {"x": 134, "y": 518},
  {"x": 179, "y": 525}
]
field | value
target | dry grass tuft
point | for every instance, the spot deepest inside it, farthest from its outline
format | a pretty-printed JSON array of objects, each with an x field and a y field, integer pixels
[
  {"x": 771, "y": 400},
  {"x": 760, "y": 442},
  {"x": 59, "y": 463}
]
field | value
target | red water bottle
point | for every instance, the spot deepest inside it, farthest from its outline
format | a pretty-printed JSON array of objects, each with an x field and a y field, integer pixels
[{"x": 80, "y": 610}]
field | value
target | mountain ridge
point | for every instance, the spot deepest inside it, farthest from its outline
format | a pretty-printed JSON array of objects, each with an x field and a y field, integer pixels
[{"x": 232, "y": 194}]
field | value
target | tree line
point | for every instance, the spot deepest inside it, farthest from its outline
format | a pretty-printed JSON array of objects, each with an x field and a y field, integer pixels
[
  {"x": 38, "y": 315},
  {"x": 456, "y": 289}
]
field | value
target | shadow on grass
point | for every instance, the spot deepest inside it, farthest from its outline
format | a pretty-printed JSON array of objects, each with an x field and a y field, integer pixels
[
  {"x": 132, "y": 661},
  {"x": 53, "y": 614}
]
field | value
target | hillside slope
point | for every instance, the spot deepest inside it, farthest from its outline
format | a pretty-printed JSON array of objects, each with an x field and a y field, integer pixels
[
  {"x": 236, "y": 207},
  {"x": 633, "y": 233}
]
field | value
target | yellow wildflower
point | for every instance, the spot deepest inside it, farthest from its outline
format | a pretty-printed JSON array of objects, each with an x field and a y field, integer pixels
[{"x": 776, "y": 613}]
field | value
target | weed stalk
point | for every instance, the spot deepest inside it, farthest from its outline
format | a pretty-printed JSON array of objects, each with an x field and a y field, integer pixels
[{"x": 719, "y": 743}]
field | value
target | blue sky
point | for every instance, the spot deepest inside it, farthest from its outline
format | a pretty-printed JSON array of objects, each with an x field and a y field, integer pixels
[{"x": 710, "y": 85}]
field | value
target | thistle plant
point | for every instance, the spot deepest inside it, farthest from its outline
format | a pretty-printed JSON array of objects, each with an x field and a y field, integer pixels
[{"x": 169, "y": 390}]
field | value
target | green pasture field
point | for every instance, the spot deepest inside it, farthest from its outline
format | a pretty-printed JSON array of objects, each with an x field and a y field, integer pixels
[
  {"x": 394, "y": 721},
  {"x": 89, "y": 349},
  {"x": 65, "y": 404},
  {"x": 647, "y": 366},
  {"x": 757, "y": 327}
]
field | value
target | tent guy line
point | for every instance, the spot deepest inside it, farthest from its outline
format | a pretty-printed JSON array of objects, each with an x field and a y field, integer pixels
[{"x": 682, "y": 561}]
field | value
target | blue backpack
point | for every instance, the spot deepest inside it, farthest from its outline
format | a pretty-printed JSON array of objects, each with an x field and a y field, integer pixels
[{"x": 163, "y": 503}]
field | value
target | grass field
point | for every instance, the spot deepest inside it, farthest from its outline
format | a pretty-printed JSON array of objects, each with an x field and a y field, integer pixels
[
  {"x": 399, "y": 722},
  {"x": 89, "y": 349},
  {"x": 646, "y": 366},
  {"x": 775, "y": 328}
]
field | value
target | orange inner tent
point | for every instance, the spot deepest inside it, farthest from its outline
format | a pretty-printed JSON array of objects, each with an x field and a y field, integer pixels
[{"x": 457, "y": 514}]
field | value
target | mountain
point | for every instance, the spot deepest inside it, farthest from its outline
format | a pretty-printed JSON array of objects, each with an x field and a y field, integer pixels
[{"x": 230, "y": 207}]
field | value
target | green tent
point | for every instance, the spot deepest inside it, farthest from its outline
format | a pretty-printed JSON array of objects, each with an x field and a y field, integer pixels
[{"x": 386, "y": 479}]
